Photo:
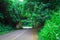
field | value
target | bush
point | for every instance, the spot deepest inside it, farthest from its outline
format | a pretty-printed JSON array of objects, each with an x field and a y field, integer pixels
[{"x": 51, "y": 30}]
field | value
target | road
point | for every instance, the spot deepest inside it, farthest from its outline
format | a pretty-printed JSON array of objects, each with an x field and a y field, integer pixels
[{"x": 23, "y": 34}]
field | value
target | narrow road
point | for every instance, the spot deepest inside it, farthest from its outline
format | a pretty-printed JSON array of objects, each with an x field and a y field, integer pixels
[{"x": 23, "y": 34}]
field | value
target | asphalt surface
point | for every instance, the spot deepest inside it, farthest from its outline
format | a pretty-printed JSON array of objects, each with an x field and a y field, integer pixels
[{"x": 23, "y": 34}]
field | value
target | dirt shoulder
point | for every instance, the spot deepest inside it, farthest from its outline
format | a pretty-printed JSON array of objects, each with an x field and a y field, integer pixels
[{"x": 35, "y": 37}]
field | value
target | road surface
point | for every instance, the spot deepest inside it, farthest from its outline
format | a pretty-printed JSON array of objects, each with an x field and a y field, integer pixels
[{"x": 23, "y": 34}]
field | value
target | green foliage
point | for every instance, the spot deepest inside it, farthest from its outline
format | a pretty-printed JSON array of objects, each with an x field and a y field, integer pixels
[
  {"x": 33, "y": 11},
  {"x": 5, "y": 28},
  {"x": 13, "y": 10},
  {"x": 9, "y": 17},
  {"x": 51, "y": 30},
  {"x": 29, "y": 12},
  {"x": 1, "y": 16}
]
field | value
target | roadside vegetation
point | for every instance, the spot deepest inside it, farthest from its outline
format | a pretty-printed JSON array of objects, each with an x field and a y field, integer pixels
[{"x": 51, "y": 30}]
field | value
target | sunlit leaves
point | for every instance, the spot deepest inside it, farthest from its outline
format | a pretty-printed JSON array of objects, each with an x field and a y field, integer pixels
[{"x": 51, "y": 30}]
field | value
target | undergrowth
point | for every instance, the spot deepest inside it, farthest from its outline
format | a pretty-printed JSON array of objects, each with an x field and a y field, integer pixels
[{"x": 51, "y": 30}]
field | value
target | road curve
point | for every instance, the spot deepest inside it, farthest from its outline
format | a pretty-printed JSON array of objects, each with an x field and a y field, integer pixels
[{"x": 23, "y": 34}]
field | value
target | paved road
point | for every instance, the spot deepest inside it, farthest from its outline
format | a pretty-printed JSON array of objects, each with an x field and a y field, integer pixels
[{"x": 25, "y": 34}]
